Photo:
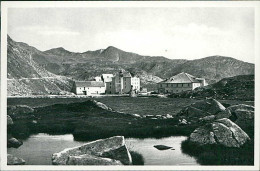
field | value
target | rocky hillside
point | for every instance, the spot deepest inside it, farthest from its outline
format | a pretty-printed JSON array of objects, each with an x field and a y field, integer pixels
[
  {"x": 20, "y": 63},
  {"x": 213, "y": 68},
  {"x": 111, "y": 53},
  {"x": 25, "y": 61},
  {"x": 27, "y": 77},
  {"x": 240, "y": 87}
]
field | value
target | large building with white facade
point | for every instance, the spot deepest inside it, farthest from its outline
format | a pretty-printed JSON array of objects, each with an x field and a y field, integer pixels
[
  {"x": 180, "y": 82},
  {"x": 122, "y": 83},
  {"x": 88, "y": 87}
]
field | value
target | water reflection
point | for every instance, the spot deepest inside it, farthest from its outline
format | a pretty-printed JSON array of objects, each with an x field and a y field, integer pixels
[{"x": 38, "y": 149}]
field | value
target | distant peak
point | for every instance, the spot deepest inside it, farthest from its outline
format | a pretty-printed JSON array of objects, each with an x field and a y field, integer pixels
[
  {"x": 109, "y": 47},
  {"x": 112, "y": 48},
  {"x": 60, "y": 48},
  {"x": 57, "y": 49}
]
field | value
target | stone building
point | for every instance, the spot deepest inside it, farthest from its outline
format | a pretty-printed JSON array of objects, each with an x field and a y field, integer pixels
[
  {"x": 122, "y": 82},
  {"x": 180, "y": 82}
]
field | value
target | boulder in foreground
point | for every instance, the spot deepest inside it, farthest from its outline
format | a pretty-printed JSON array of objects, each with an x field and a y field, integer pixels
[
  {"x": 222, "y": 132},
  {"x": 15, "y": 111},
  {"x": 243, "y": 114},
  {"x": 13, "y": 142},
  {"x": 9, "y": 121},
  {"x": 109, "y": 151},
  {"x": 12, "y": 160},
  {"x": 87, "y": 159},
  {"x": 201, "y": 109}
]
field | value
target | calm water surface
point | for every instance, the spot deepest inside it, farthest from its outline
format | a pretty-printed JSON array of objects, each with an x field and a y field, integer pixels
[{"x": 38, "y": 149}]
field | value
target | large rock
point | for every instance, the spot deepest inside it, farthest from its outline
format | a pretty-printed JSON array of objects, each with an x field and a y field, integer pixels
[
  {"x": 87, "y": 159},
  {"x": 209, "y": 105},
  {"x": 202, "y": 109},
  {"x": 13, "y": 142},
  {"x": 243, "y": 115},
  {"x": 14, "y": 111},
  {"x": 241, "y": 107},
  {"x": 9, "y": 121},
  {"x": 95, "y": 153},
  {"x": 209, "y": 118},
  {"x": 223, "y": 114},
  {"x": 203, "y": 135},
  {"x": 222, "y": 132},
  {"x": 244, "y": 118},
  {"x": 193, "y": 112},
  {"x": 101, "y": 105},
  {"x": 12, "y": 160}
]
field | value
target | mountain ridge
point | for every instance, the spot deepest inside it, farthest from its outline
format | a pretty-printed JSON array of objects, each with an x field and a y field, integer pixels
[{"x": 87, "y": 65}]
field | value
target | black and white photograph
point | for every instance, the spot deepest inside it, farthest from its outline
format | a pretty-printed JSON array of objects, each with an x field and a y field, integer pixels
[{"x": 156, "y": 85}]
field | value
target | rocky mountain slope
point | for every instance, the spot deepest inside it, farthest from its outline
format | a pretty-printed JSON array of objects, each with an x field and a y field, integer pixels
[
  {"x": 25, "y": 61},
  {"x": 213, "y": 68},
  {"x": 27, "y": 77}
]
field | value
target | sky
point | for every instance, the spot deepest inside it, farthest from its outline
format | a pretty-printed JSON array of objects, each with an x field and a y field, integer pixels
[{"x": 176, "y": 33}]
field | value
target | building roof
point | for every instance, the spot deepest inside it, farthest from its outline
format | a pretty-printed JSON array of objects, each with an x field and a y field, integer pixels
[
  {"x": 181, "y": 78},
  {"x": 89, "y": 84}
]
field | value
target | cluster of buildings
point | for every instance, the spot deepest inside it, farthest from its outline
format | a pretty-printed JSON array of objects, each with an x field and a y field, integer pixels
[
  {"x": 120, "y": 83},
  {"x": 124, "y": 83}
]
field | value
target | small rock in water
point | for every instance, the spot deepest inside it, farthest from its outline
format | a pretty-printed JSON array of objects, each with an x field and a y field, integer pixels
[{"x": 162, "y": 147}]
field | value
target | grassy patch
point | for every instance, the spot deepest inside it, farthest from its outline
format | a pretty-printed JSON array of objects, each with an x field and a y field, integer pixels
[{"x": 87, "y": 122}]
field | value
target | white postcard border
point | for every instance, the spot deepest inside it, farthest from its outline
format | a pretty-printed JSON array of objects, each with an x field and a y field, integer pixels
[{"x": 119, "y": 4}]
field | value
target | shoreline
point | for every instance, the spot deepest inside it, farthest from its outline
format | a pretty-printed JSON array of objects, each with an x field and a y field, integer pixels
[{"x": 78, "y": 96}]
